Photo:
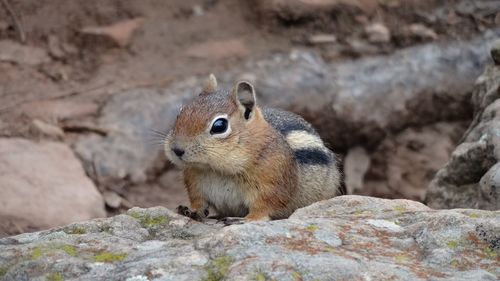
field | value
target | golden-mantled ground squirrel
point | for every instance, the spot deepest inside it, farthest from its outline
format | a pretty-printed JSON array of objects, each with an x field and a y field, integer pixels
[{"x": 248, "y": 161}]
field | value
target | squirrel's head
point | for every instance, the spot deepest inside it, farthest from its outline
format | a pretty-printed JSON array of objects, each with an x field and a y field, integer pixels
[{"x": 210, "y": 131}]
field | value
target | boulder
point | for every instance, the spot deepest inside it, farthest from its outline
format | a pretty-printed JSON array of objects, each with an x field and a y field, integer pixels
[
  {"x": 344, "y": 238},
  {"x": 470, "y": 179},
  {"x": 42, "y": 185},
  {"x": 296, "y": 10},
  {"x": 413, "y": 87}
]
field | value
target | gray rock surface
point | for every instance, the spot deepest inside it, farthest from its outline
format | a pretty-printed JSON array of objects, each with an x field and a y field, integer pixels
[
  {"x": 344, "y": 238},
  {"x": 471, "y": 178},
  {"x": 42, "y": 185},
  {"x": 415, "y": 86}
]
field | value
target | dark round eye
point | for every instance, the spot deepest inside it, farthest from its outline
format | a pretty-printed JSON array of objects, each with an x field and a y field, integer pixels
[{"x": 219, "y": 126}]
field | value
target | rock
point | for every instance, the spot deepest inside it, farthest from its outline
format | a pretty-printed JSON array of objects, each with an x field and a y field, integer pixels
[
  {"x": 421, "y": 31},
  {"x": 11, "y": 51},
  {"x": 132, "y": 146},
  {"x": 410, "y": 87},
  {"x": 198, "y": 10},
  {"x": 415, "y": 86},
  {"x": 112, "y": 199},
  {"x": 120, "y": 32},
  {"x": 469, "y": 179},
  {"x": 356, "y": 164},
  {"x": 48, "y": 129},
  {"x": 54, "y": 46},
  {"x": 221, "y": 49},
  {"x": 358, "y": 47},
  {"x": 378, "y": 33},
  {"x": 295, "y": 10},
  {"x": 320, "y": 39},
  {"x": 490, "y": 185},
  {"x": 43, "y": 185},
  {"x": 344, "y": 238}
]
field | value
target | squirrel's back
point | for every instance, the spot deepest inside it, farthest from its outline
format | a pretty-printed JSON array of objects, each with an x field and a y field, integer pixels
[{"x": 319, "y": 175}]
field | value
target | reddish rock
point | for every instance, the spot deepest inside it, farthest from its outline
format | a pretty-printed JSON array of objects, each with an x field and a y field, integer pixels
[{"x": 44, "y": 185}]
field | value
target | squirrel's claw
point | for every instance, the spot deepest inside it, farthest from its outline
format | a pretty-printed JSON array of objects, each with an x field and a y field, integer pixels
[
  {"x": 185, "y": 211},
  {"x": 232, "y": 220}
]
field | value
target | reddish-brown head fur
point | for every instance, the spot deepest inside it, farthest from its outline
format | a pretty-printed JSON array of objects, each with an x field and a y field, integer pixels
[
  {"x": 230, "y": 151},
  {"x": 194, "y": 118}
]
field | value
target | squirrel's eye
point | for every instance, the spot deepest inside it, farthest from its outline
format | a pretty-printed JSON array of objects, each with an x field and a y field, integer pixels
[{"x": 219, "y": 126}]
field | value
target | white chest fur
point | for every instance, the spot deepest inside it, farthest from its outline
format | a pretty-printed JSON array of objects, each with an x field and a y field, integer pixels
[{"x": 223, "y": 194}]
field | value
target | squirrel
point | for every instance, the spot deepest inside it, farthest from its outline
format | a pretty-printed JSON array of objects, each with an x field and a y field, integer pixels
[{"x": 248, "y": 162}]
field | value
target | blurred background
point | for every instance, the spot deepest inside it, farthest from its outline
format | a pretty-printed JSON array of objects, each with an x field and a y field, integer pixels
[{"x": 88, "y": 87}]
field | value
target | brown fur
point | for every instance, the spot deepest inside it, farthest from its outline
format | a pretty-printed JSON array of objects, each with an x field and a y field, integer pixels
[
  {"x": 250, "y": 171},
  {"x": 269, "y": 178}
]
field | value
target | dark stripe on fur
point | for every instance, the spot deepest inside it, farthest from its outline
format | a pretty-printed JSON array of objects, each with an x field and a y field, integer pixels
[
  {"x": 312, "y": 156},
  {"x": 286, "y": 122}
]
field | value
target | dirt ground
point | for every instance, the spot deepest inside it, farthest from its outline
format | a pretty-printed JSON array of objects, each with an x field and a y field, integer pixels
[{"x": 155, "y": 42}]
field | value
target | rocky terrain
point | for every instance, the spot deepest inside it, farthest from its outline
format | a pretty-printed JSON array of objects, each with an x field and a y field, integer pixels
[
  {"x": 471, "y": 177},
  {"x": 99, "y": 83},
  {"x": 406, "y": 92},
  {"x": 345, "y": 238}
]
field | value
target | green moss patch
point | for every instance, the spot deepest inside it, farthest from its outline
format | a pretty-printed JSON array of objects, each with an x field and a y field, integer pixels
[
  {"x": 400, "y": 208},
  {"x": 36, "y": 253},
  {"x": 401, "y": 258},
  {"x": 312, "y": 228},
  {"x": 148, "y": 221},
  {"x": 297, "y": 276},
  {"x": 490, "y": 253},
  {"x": 217, "y": 269},
  {"x": 474, "y": 215},
  {"x": 55, "y": 276},
  {"x": 3, "y": 271},
  {"x": 452, "y": 244},
  {"x": 70, "y": 250},
  {"x": 261, "y": 277},
  {"x": 110, "y": 257}
]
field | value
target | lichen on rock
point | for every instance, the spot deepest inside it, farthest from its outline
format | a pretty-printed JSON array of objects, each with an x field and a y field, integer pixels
[{"x": 396, "y": 239}]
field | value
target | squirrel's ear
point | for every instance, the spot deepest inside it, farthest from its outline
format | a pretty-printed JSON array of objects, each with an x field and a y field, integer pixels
[
  {"x": 245, "y": 95},
  {"x": 210, "y": 85}
]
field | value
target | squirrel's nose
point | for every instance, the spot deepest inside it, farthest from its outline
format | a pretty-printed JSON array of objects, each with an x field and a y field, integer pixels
[{"x": 179, "y": 152}]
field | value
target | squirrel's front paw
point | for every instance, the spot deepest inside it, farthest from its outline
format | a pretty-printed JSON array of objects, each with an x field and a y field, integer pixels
[{"x": 197, "y": 215}]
